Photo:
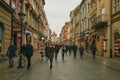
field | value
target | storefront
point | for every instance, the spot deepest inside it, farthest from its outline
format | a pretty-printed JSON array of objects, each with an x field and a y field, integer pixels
[{"x": 117, "y": 44}]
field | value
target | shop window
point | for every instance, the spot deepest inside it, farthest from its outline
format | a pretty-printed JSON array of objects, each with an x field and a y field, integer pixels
[{"x": 117, "y": 44}]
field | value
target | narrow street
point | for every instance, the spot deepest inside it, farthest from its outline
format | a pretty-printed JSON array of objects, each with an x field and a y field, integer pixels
[{"x": 86, "y": 68}]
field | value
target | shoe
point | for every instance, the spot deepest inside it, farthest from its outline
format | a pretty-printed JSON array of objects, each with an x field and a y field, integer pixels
[{"x": 50, "y": 67}]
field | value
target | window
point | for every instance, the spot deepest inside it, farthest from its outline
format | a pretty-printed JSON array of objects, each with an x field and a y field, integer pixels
[
  {"x": 116, "y": 6},
  {"x": 102, "y": 16}
]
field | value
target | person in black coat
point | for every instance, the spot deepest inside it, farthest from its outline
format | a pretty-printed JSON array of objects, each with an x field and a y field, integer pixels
[
  {"x": 50, "y": 54},
  {"x": 46, "y": 51},
  {"x": 22, "y": 49},
  {"x": 81, "y": 50},
  {"x": 93, "y": 50},
  {"x": 74, "y": 50},
  {"x": 29, "y": 53},
  {"x": 56, "y": 51},
  {"x": 11, "y": 54}
]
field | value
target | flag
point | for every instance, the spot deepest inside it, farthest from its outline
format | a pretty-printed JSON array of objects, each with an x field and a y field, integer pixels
[{"x": 46, "y": 24}]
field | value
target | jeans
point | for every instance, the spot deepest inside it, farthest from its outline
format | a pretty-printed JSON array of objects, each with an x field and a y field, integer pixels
[{"x": 10, "y": 62}]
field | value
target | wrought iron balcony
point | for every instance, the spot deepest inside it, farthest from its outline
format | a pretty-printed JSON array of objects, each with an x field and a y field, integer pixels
[{"x": 100, "y": 21}]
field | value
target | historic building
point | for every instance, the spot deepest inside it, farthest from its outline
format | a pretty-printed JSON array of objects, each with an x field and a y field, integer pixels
[
  {"x": 5, "y": 25},
  {"x": 100, "y": 26},
  {"x": 72, "y": 27},
  {"x": 84, "y": 17},
  {"x": 77, "y": 25},
  {"x": 32, "y": 24},
  {"x": 54, "y": 38},
  {"x": 115, "y": 16}
]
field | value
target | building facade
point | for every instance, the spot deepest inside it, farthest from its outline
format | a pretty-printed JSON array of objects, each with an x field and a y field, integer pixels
[
  {"x": 77, "y": 25},
  {"x": 5, "y": 25},
  {"x": 115, "y": 16},
  {"x": 84, "y": 17},
  {"x": 54, "y": 38}
]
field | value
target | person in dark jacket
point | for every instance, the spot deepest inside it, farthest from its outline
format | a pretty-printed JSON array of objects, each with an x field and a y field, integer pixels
[
  {"x": 29, "y": 53},
  {"x": 93, "y": 50},
  {"x": 22, "y": 49},
  {"x": 46, "y": 51},
  {"x": 63, "y": 51},
  {"x": 56, "y": 51},
  {"x": 81, "y": 50},
  {"x": 11, "y": 54},
  {"x": 74, "y": 50},
  {"x": 50, "y": 54}
]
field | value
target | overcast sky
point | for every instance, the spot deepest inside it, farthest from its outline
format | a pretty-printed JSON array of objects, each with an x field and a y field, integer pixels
[{"x": 58, "y": 11}]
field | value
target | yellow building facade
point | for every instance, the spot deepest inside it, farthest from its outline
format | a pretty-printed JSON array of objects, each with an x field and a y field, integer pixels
[
  {"x": 115, "y": 10},
  {"x": 100, "y": 26},
  {"x": 5, "y": 25}
]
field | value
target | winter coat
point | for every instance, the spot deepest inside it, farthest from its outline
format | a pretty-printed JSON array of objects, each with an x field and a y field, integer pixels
[
  {"x": 11, "y": 51},
  {"x": 22, "y": 50},
  {"x": 29, "y": 50},
  {"x": 57, "y": 49},
  {"x": 51, "y": 51},
  {"x": 93, "y": 49},
  {"x": 81, "y": 49}
]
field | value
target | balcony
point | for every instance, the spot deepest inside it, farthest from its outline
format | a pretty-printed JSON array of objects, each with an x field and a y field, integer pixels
[{"x": 100, "y": 21}]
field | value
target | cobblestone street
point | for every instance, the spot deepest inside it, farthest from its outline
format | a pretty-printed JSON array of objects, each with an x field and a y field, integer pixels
[{"x": 74, "y": 69}]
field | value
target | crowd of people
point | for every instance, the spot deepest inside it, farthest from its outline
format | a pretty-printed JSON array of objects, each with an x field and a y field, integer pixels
[
  {"x": 49, "y": 51},
  {"x": 26, "y": 50}
]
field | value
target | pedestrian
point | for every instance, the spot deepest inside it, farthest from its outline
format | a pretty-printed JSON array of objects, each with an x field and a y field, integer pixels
[
  {"x": 74, "y": 50},
  {"x": 29, "y": 53},
  {"x": 70, "y": 49},
  {"x": 11, "y": 54},
  {"x": 22, "y": 49},
  {"x": 57, "y": 47},
  {"x": 81, "y": 48},
  {"x": 46, "y": 51},
  {"x": 42, "y": 52},
  {"x": 50, "y": 53},
  {"x": 63, "y": 51},
  {"x": 93, "y": 50}
]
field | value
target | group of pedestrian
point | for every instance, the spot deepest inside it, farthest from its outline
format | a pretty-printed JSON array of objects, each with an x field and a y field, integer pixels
[
  {"x": 26, "y": 50},
  {"x": 70, "y": 49},
  {"x": 92, "y": 48}
]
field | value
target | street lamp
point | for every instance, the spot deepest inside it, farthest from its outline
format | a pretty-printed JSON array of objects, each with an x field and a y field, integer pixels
[
  {"x": 111, "y": 29},
  {"x": 42, "y": 39},
  {"x": 21, "y": 16}
]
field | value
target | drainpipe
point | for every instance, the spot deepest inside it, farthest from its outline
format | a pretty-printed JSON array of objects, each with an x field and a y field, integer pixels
[{"x": 11, "y": 23}]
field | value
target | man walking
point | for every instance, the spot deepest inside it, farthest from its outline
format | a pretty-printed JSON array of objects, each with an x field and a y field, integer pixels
[
  {"x": 29, "y": 53},
  {"x": 74, "y": 50},
  {"x": 11, "y": 54},
  {"x": 81, "y": 50},
  {"x": 56, "y": 51},
  {"x": 50, "y": 54},
  {"x": 93, "y": 50}
]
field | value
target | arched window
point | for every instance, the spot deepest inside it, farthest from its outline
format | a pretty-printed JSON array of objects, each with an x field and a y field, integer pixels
[{"x": 117, "y": 36}]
